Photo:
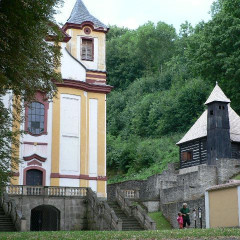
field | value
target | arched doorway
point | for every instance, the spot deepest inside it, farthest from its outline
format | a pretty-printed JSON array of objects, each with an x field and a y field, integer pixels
[
  {"x": 45, "y": 218},
  {"x": 34, "y": 177}
]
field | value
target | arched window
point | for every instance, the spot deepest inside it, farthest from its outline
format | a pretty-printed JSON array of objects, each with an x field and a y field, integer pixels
[{"x": 36, "y": 113}]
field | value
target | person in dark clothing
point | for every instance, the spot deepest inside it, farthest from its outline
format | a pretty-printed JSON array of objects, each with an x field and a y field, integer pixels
[{"x": 186, "y": 216}]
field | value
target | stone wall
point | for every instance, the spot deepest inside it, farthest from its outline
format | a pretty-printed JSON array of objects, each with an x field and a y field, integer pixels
[
  {"x": 73, "y": 211},
  {"x": 128, "y": 185},
  {"x": 226, "y": 169},
  {"x": 173, "y": 187},
  {"x": 171, "y": 210}
]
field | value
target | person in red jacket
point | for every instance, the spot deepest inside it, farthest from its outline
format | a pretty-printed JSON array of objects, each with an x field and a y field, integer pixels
[{"x": 180, "y": 220}]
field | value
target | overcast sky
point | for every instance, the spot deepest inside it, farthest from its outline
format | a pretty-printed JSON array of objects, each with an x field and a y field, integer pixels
[{"x": 132, "y": 13}]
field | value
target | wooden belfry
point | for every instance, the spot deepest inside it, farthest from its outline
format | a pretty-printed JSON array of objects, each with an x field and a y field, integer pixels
[
  {"x": 218, "y": 127},
  {"x": 215, "y": 135}
]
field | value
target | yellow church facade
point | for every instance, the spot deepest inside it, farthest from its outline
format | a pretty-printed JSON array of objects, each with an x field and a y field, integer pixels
[{"x": 65, "y": 139}]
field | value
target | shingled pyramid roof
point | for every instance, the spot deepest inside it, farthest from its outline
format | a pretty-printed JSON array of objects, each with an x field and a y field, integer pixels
[
  {"x": 217, "y": 95},
  {"x": 80, "y": 14},
  {"x": 199, "y": 129}
]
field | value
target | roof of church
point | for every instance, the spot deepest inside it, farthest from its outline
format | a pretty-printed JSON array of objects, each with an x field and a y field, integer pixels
[
  {"x": 199, "y": 129},
  {"x": 217, "y": 95},
  {"x": 80, "y": 14}
]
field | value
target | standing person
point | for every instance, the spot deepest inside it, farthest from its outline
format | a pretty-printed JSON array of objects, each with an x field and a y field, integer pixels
[
  {"x": 185, "y": 213},
  {"x": 180, "y": 220}
]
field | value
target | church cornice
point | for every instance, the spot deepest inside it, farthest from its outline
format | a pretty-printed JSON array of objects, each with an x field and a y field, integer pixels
[
  {"x": 88, "y": 87},
  {"x": 81, "y": 26}
]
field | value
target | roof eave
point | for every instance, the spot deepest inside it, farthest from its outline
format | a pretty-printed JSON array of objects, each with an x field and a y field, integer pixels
[{"x": 69, "y": 25}]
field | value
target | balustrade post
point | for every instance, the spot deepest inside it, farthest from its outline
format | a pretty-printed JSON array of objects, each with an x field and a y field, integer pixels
[{"x": 24, "y": 190}]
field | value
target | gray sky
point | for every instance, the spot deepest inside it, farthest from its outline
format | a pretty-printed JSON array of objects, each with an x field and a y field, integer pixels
[{"x": 132, "y": 13}]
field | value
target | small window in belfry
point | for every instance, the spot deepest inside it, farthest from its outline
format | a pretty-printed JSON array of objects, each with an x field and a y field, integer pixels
[
  {"x": 220, "y": 107},
  {"x": 223, "y": 107},
  {"x": 211, "y": 112}
]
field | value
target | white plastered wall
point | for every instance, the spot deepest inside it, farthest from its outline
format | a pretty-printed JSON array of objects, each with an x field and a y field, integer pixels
[
  {"x": 207, "y": 212},
  {"x": 71, "y": 69},
  {"x": 70, "y": 129},
  {"x": 93, "y": 142},
  {"x": 44, "y": 151}
]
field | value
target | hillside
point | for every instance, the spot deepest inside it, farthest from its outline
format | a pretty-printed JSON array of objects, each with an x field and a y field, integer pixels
[{"x": 161, "y": 81}]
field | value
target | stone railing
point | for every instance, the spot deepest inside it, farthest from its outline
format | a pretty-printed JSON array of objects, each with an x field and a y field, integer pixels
[
  {"x": 46, "y": 191},
  {"x": 10, "y": 209},
  {"x": 131, "y": 194},
  {"x": 131, "y": 210},
  {"x": 101, "y": 213}
]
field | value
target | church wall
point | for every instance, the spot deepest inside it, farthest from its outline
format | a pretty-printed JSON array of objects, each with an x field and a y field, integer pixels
[
  {"x": 40, "y": 145},
  {"x": 92, "y": 151},
  {"x": 99, "y": 48},
  {"x": 70, "y": 68}
]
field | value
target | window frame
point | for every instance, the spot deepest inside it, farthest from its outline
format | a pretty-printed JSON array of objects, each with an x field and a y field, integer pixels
[
  {"x": 187, "y": 159},
  {"x": 81, "y": 49},
  {"x": 39, "y": 98}
]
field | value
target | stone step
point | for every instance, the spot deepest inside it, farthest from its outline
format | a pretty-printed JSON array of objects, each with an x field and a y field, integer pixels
[{"x": 129, "y": 223}]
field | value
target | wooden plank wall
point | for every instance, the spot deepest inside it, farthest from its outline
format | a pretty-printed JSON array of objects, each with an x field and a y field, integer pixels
[
  {"x": 235, "y": 150},
  {"x": 199, "y": 150}
]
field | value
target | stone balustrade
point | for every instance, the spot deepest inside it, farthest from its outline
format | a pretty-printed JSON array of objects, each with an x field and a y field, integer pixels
[
  {"x": 131, "y": 210},
  {"x": 10, "y": 209},
  {"x": 46, "y": 191}
]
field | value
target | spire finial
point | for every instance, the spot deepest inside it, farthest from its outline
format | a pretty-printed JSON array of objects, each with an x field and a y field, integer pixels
[{"x": 217, "y": 83}]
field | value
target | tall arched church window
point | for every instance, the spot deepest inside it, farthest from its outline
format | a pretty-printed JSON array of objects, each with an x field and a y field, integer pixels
[{"x": 36, "y": 113}]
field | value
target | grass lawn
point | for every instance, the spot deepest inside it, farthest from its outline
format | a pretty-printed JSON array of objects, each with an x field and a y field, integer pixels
[
  {"x": 161, "y": 221},
  {"x": 150, "y": 235},
  {"x": 237, "y": 177}
]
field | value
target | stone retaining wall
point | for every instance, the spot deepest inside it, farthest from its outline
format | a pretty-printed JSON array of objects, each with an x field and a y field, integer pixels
[
  {"x": 173, "y": 187},
  {"x": 73, "y": 211}
]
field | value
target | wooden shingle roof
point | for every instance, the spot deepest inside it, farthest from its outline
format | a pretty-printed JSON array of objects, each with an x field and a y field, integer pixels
[
  {"x": 199, "y": 129},
  {"x": 217, "y": 95},
  {"x": 80, "y": 14}
]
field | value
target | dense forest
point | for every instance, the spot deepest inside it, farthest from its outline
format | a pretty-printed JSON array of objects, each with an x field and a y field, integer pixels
[{"x": 161, "y": 80}]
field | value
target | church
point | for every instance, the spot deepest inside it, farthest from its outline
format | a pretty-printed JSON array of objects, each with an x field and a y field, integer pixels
[
  {"x": 215, "y": 135},
  {"x": 65, "y": 139}
]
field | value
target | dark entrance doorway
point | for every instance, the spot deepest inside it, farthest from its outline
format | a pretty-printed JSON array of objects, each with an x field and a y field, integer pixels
[
  {"x": 34, "y": 178},
  {"x": 45, "y": 218}
]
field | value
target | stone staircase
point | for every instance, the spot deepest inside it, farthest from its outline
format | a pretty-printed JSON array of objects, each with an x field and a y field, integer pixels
[
  {"x": 6, "y": 224},
  {"x": 129, "y": 223}
]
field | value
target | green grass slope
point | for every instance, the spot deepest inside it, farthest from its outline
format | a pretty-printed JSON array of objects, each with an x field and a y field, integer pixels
[{"x": 225, "y": 234}]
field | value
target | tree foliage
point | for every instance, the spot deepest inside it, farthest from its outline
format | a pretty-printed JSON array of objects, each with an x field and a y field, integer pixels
[
  {"x": 27, "y": 64},
  {"x": 134, "y": 53},
  {"x": 161, "y": 82}
]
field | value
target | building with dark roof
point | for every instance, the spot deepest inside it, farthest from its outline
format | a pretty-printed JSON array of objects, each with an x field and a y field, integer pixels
[{"x": 215, "y": 135}]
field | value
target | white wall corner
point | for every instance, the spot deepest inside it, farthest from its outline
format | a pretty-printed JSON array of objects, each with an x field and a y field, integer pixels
[
  {"x": 207, "y": 213},
  {"x": 238, "y": 190}
]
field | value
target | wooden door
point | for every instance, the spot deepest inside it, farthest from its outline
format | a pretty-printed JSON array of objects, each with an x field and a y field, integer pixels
[{"x": 34, "y": 178}]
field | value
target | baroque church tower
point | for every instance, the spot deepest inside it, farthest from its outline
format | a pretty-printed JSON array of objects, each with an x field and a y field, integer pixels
[{"x": 65, "y": 140}]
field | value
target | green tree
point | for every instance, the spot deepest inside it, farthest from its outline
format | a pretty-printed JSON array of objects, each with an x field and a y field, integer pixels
[
  {"x": 27, "y": 63},
  {"x": 215, "y": 53}
]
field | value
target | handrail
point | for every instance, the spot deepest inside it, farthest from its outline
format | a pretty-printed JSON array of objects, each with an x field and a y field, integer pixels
[
  {"x": 10, "y": 209},
  {"x": 101, "y": 210},
  {"x": 145, "y": 221}
]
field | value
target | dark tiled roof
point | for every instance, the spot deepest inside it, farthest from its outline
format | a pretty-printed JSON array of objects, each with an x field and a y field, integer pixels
[{"x": 80, "y": 14}]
